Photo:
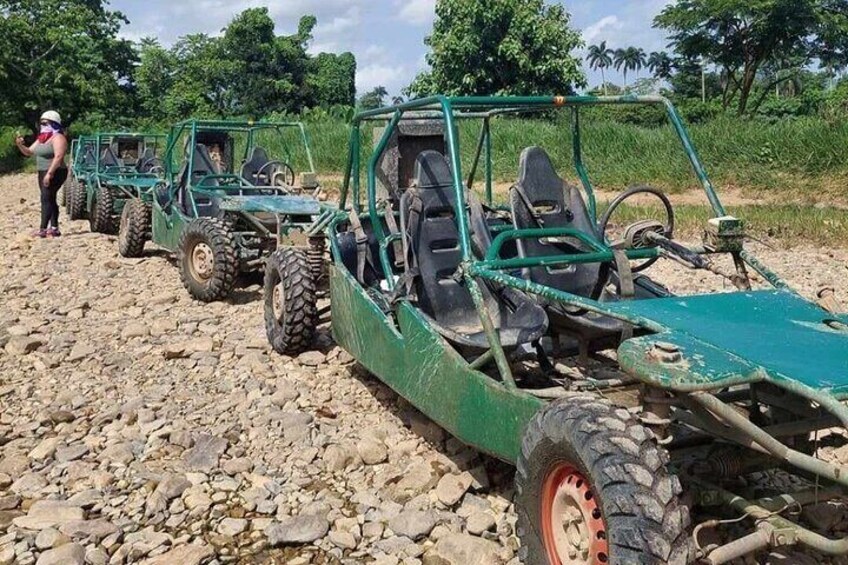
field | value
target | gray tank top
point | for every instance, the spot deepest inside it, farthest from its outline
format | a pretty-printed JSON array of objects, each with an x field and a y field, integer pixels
[{"x": 44, "y": 155}]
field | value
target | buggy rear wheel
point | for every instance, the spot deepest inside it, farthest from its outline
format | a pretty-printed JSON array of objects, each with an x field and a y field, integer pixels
[
  {"x": 291, "y": 313},
  {"x": 76, "y": 199},
  {"x": 208, "y": 260},
  {"x": 102, "y": 219},
  {"x": 592, "y": 487},
  {"x": 135, "y": 228}
]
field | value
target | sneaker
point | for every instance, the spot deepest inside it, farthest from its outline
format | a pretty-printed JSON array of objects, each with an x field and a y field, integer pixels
[
  {"x": 39, "y": 233},
  {"x": 53, "y": 232}
]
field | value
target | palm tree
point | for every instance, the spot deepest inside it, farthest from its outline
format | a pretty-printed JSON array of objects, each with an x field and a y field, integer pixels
[
  {"x": 629, "y": 59},
  {"x": 660, "y": 64},
  {"x": 600, "y": 57}
]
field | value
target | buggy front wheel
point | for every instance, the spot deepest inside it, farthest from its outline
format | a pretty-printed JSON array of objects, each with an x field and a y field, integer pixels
[
  {"x": 101, "y": 218},
  {"x": 291, "y": 312},
  {"x": 76, "y": 199},
  {"x": 592, "y": 487},
  {"x": 135, "y": 228},
  {"x": 208, "y": 260}
]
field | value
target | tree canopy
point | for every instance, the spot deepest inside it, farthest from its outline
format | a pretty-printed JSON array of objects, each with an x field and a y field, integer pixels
[
  {"x": 63, "y": 54},
  {"x": 741, "y": 36},
  {"x": 487, "y": 47}
]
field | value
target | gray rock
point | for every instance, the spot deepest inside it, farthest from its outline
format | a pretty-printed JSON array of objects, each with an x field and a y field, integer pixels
[
  {"x": 120, "y": 453},
  {"x": 83, "y": 529},
  {"x": 48, "y": 514},
  {"x": 168, "y": 489},
  {"x": 22, "y": 345},
  {"x": 480, "y": 522},
  {"x": 232, "y": 526},
  {"x": 29, "y": 485},
  {"x": 451, "y": 488},
  {"x": 46, "y": 448},
  {"x": 71, "y": 452},
  {"x": 50, "y": 538},
  {"x": 337, "y": 457},
  {"x": 462, "y": 549},
  {"x": 7, "y": 554},
  {"x": 192, "y": 554},
  {"x": 68, "y": 554},
  {"x": 9, "y": 502},
  {"x": 414, "y": 524},
  {"x": 372, "y": 451},
  {"x": 203, "y": 457},
  {"x": 14, "y": 464},
  {"x": 297, "y": 530}
]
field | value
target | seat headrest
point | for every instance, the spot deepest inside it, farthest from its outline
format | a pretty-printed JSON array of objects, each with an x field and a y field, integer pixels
[
  {"x": 432, "y": 170},
  {"x": 202, "y": 160},
  {"x": 535, "y": 168},
  {"x": 258, "y": 154}
]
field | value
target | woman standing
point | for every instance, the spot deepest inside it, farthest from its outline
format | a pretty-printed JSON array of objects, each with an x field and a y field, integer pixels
[{"x": 49, "y": 150}]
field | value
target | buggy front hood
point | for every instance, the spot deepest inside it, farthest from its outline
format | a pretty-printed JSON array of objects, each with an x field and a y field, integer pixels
[
  {"x": 740, "y": 337},
  {"x": 292, "y": 205}
]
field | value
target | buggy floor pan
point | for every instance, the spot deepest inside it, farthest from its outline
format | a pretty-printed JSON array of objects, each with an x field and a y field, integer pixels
[{"x": 739, "y": 338}]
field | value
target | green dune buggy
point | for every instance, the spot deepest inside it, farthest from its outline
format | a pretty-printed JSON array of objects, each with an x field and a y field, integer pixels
[
  {"x": 462, "y": 307},
  {"x": 231, "y": 195},
  {"x": 113, "y": 176}
]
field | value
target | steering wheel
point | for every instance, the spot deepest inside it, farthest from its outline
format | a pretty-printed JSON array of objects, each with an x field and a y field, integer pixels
[
  {"x": 282, "y": 175},
  {"x": 637, "y": 235}
]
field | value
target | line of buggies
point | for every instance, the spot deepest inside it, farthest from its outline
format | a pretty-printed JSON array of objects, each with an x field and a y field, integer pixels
[
  {"x": 667, "y": 406},
  {"x": 213, "y": 192}
]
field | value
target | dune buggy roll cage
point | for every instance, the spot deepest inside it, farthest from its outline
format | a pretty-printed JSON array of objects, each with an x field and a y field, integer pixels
[
  {"x": 248, "y": 127},
  {"x": 105, "y": 139},
  {"x": 492, "y": 266}
]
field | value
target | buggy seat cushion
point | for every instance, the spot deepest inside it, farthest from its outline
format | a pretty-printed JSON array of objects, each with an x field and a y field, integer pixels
[
  {"x": 431, "y": 242},
  {"x": 251, "y": 168},
  {"x": 109, "y": 159}
]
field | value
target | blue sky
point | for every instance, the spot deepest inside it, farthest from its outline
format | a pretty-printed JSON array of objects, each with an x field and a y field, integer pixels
[{"x": 385, "y": 35}]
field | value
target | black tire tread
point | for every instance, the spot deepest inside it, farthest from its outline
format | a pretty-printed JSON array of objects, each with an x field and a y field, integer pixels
[
  {"x": 76, "y": 200},
  {"x": 102, "y": 217},
  {"x": 135, "y": 231},
  {"x": 646, "y": 523},
  {"x": 218, "y": 234},
  {"x": 292, "y": 267}
]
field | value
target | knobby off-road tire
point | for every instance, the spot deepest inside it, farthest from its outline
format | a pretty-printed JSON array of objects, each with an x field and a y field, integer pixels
[
  {"x": 592, "y": 471},
  {"x": 208, "y": 261},
  {"x": 76, "y": 200},
  {"x": 291, "y": 313},
  {"x": 135, "y": 228},
  {"x": 102, "y": 219},
  {"x": 63, "y": 194}
]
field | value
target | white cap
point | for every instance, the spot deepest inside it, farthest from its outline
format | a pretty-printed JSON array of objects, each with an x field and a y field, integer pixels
[{"x": 53, "y": 116}]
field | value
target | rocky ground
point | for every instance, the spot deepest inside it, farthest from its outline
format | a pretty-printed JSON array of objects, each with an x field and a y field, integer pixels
[{"x": 140, "y": 426}]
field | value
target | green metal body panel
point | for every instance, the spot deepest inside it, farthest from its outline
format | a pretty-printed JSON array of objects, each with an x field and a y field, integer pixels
[
  {"x": 294, "y": 205},
  {"x": 416, "y": 362},
  {"x": 167, "y": 227},
  {"x": 727, "y": 339}
]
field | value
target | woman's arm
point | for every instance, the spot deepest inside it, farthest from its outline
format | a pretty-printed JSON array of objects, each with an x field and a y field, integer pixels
[
  {"x": 60, "y": 147},
  {"x": 26, "y": 151}
]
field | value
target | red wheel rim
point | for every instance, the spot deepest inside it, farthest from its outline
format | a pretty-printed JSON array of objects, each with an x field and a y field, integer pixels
[{"x": 573, "y": 528}]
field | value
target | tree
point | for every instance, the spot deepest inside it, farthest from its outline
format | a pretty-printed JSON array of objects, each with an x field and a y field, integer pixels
[
  {"x": 740, "y": 36},
  {"x": 629, "y": 59},
  {"x": 62, "y": 54},
  {"x": 332, "y": 80},
  {"x": 154, "y": 78},
  {"x": 500, "y": 47},
  {"x": 374, "y": 98},
  {"x": 600, "y": 57},
  {"x": 660, "y": 64}
]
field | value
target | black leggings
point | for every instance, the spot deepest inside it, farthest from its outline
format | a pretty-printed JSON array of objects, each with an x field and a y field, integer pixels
[{"x": 49, "y": 206}]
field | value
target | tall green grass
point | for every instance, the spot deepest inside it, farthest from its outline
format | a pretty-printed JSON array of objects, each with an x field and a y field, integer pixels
[{"x": 801, "y": 155}]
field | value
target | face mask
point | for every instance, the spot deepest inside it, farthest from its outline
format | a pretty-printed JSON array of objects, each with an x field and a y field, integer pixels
[{"x": 47, "y": 131}]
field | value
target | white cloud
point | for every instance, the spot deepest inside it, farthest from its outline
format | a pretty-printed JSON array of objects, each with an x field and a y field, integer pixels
[
  {"x": 419, "y": 12},
  {"x": 601, "y": 29}
]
